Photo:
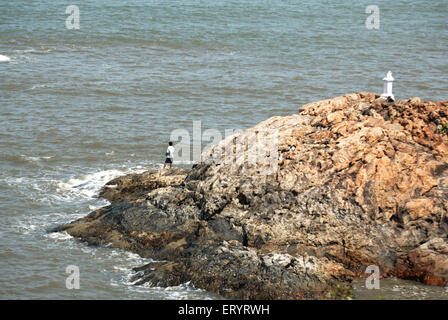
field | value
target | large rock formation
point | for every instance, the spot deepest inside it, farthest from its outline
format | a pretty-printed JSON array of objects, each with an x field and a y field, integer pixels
[{"x": 359, "y": 181}]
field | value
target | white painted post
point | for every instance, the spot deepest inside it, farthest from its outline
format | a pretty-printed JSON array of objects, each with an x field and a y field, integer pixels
[{"x": 388, "y": 80}]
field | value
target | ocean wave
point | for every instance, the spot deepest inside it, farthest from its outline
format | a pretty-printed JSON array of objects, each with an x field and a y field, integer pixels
[
  {"x": 23, "y": 158},
  {"x": 4, "y": 58},
  {"x": 55, "y": 191},
  {"x": 34, "y": 158},
  {"x": 39, "y": 86},
  {"x": 26, "y": 228},
  {"x": 41, "y": 50},
  {"x": 88, "y": 185}
]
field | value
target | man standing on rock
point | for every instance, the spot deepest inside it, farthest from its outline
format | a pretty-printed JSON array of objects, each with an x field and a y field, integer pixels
[{"x": 169, "y": 155}]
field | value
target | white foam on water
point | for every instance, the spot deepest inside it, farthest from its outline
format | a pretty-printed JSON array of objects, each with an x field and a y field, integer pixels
[
  {"x": 133, "y": 256},
  {"x": 114, "y": 283},
  {"x": 120, "y": 268},
  {"x": 81, "y": 187},
  {"x": 182, "y": 286},
  {"x": 12, "y": 181},
  {"x": 37, "y": 189},
  {"x": 30, "y": 158},
  {"x": 26, "y": 228},
  {"x": 59, "y": 236},
  {"x": 38, "y": 86},
  {"x": 88, "y": 185},
  {"x": 88, "y": 250},
  {"x": 41, "y": 50},
  {"x": 96, "y": 207},
  {"x": 4, "y": 58},
  {"x": 183, "y": 291},
  {"x": 34, "y": 158}
]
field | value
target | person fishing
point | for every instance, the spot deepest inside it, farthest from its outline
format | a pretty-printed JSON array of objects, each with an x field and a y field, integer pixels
[{"x": 169, "y": 155}]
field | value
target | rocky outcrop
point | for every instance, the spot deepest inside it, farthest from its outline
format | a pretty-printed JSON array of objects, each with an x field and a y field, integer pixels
[
  {"x": 427, "y": 263},
  {"x": 134, "y": 187},
  {"x": 358, "y": 181}
]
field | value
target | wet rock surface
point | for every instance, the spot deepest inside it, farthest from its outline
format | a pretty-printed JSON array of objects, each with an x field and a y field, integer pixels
[{"x": 359, "y": 181}]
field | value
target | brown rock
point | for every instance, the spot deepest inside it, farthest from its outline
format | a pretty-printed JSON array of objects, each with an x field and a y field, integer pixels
[
  {"x": 133, "y": 187},
  {"x": 420, "y": 208},
  {"x": 358, "y": 181},
  {"x": 427, "y": 263}
]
